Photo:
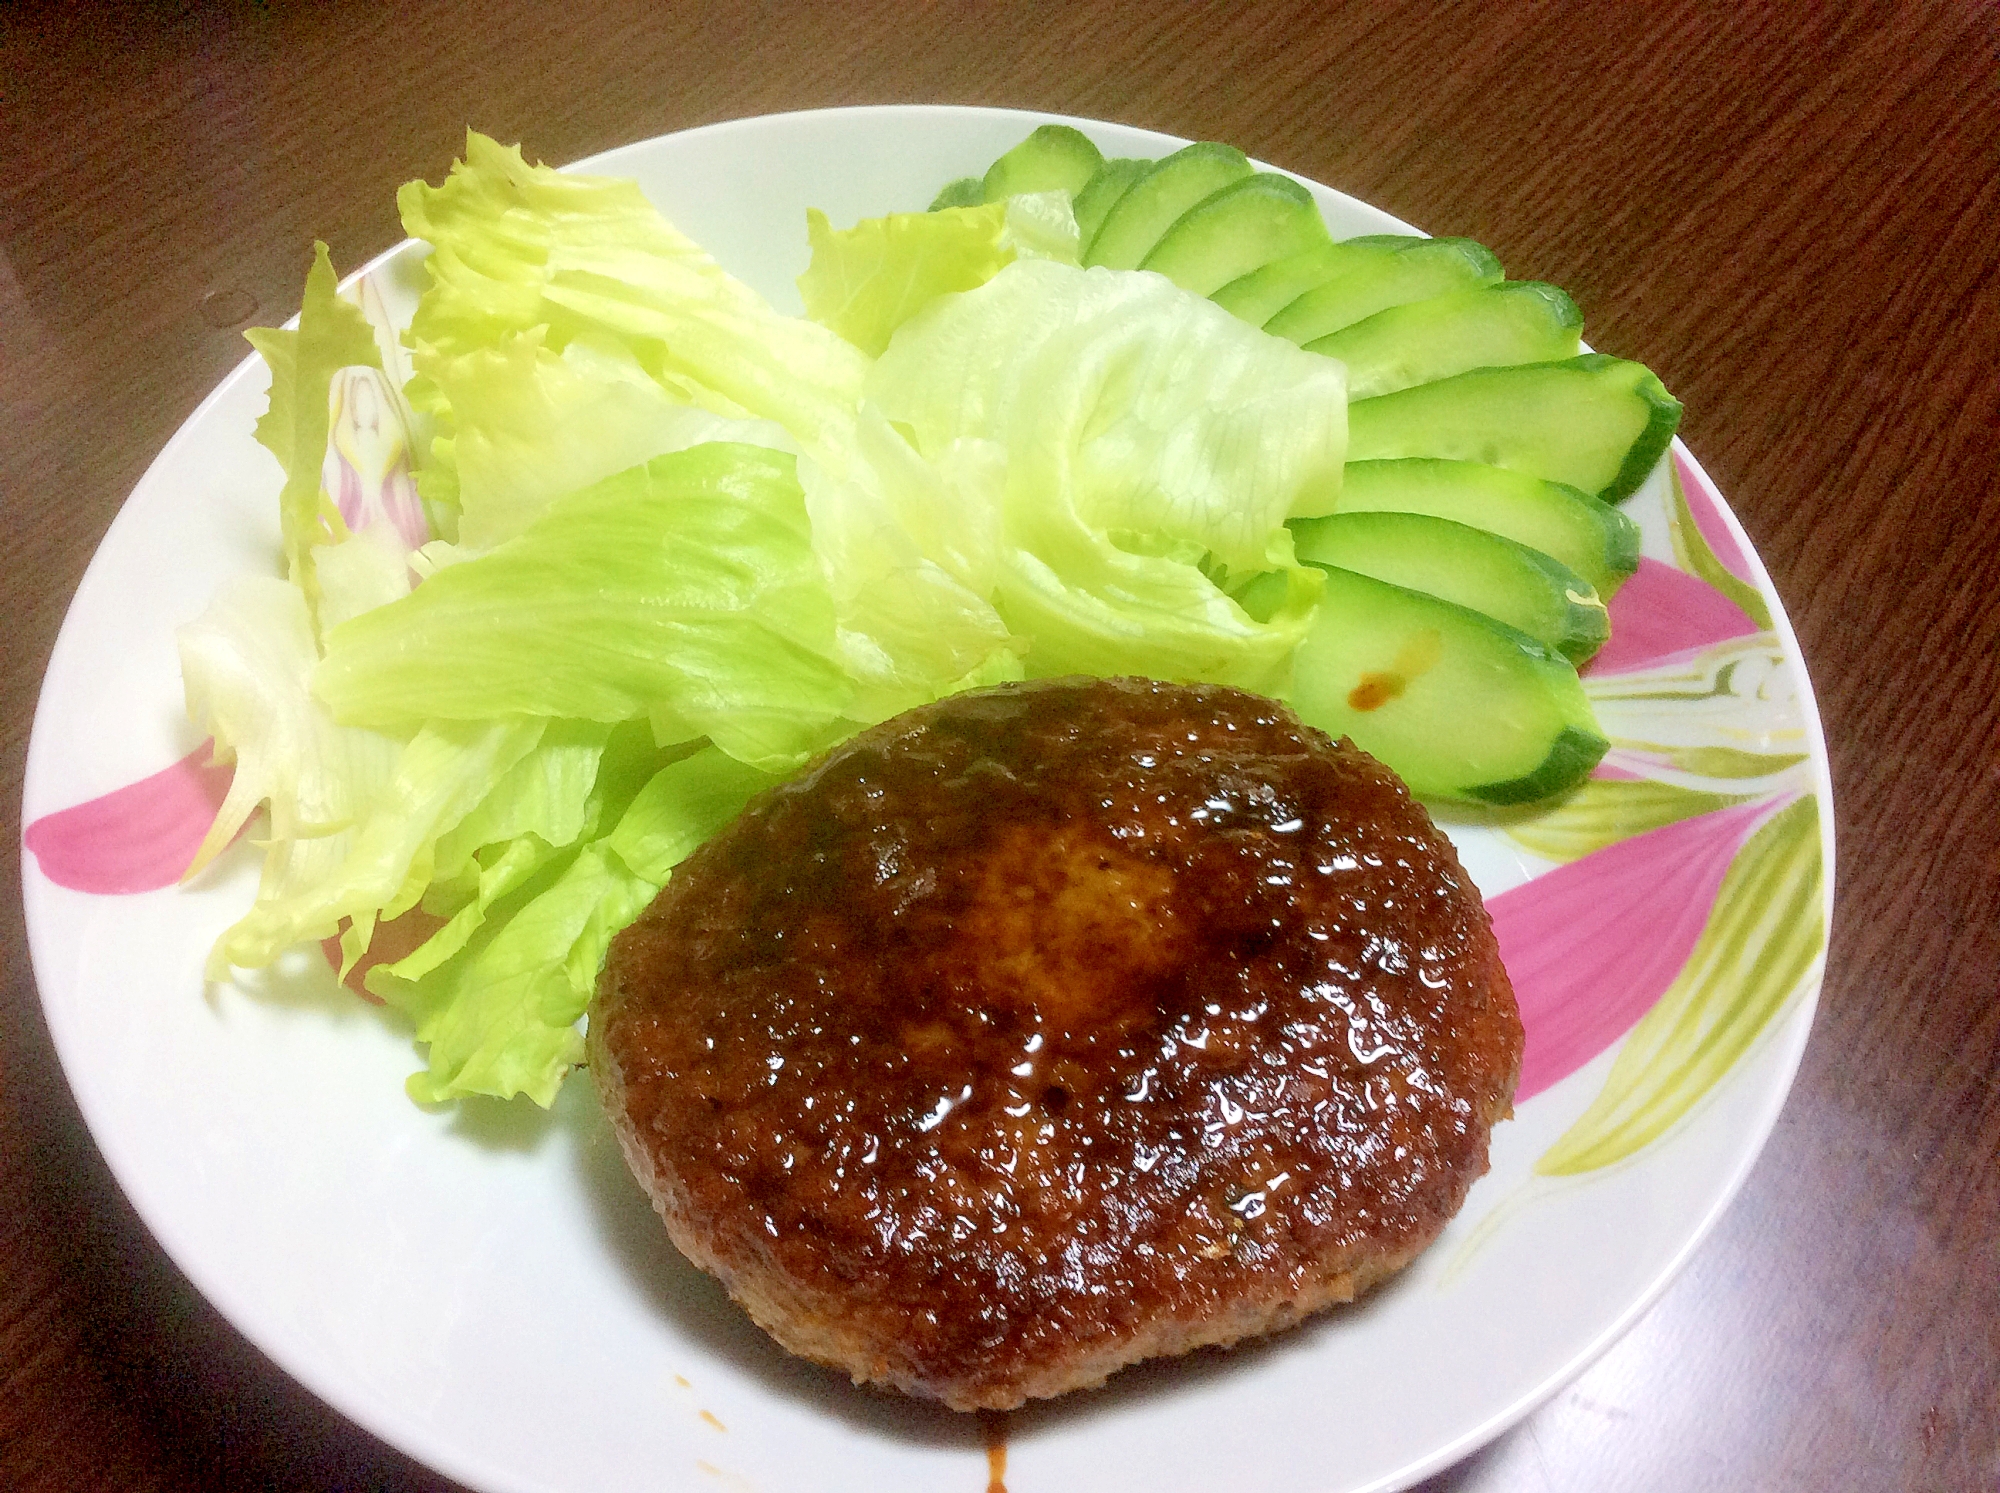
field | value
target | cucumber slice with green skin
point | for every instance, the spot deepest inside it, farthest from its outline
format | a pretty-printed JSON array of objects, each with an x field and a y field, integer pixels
[
  {"x": 1249, "y": 223},
  {"x": 1428, "y": 267},
  {"x": 1393, "y": 241},
  {"x": 1592, "y": 538},
  {"x": 1461, "y": 706},
  {"x": 1140, "y": 218},
  {"x": 1596, "y": 422},
  {"x": 1489, "y": 326},
  {"x": 1263, "y": 293},
  {"x": 1100, "y": 194},
  {"x": 967, "y": 191},
  {"x": 1054, "y": 158},
  {"x": 1454, "y": 562}
]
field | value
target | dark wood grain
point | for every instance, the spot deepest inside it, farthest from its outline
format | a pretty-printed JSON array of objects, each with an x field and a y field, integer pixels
[{"x": 1791, "y": 212}]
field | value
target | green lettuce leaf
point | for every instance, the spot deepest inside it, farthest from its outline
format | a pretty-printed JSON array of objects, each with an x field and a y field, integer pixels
[
  {"x": 365, "y": 570},
  {"x": 355, "y": 817},
  {"x": 1142, "y": 449},
  {"x": 500, "y": 1018},
  {"x": 681, "y": 517},
  {"x": 440, "y": 775},
  {"x": 529, "y": 265},
  {"x": 331, "y": 335},
  {"x": 579, "y": 774},
  {"x": 686, "y": 586},
  {"x": 554, "y": 793},
  {"x": 517, "y": 247},
  {"x": 531, "y": 425},
  {"x": 866, "y": 281}
]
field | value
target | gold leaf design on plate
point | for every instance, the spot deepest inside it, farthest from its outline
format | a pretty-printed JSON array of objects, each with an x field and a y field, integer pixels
[
  {"x": 1604, "y": 811},
  {"x": 1692, "y": 552},
  {"x": 1762, "y": 940}
]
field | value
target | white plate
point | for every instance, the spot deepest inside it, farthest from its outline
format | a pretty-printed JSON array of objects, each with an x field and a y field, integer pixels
[{"x": 491, "y": 1293}]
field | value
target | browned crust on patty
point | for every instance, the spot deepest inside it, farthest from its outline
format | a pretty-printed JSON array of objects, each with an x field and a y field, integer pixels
[{"x": 1054, "y": 1027}]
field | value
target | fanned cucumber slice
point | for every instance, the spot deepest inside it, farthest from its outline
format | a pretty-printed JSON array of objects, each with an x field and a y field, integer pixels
[
  {"x": 1392, "y": 241},
  {"x": 1249, "y": 223},
  {"x": 1592, "y": 538},
  {"x": 1139, "y": 219},
  {"x": 1595, "y": 422},
  {"x": 1475, "y": 568},
  {"x": 1489, "y": 326},
  {"x": 1100, "y": 194},
  {"x": 1427, "y": 267},
  {"x": 1460, "y": 705},
  {"x": 1054, "y": 158},
  {"x": 1263, "y": 293}
]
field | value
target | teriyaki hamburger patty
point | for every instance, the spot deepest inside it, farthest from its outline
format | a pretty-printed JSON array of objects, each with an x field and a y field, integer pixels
[{"x": 1056, "y": 1026}]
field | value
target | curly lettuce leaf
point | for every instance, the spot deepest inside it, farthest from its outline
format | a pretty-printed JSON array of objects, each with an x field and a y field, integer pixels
[
  {"x": 331, "y": 335},
  {"x": 532, "y": 425},
  {"x": 687, "y": 586},
  {"x": 866, "y": 281},
  {"x": 682, "y": 517},
  {"x": 554, "y": 794},
  {"x": 910, "y": 565},
  {"x": 443, "y": 772},
  {"x": 579, "y": 775},
  {"x": 1142, "y": 449},
  {"x": 500, "y": 1018},
  {"x": 585, "y": 270},
  {"x": 354, "y": 816},
  {"x": 516, "y": 247}
]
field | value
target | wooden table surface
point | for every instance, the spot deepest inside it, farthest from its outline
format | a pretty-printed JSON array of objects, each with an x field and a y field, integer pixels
[{"x": 1791, "y": 212}]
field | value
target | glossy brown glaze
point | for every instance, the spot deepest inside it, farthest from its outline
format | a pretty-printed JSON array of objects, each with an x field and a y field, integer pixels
[{"x": 1057, "y": 1026}]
